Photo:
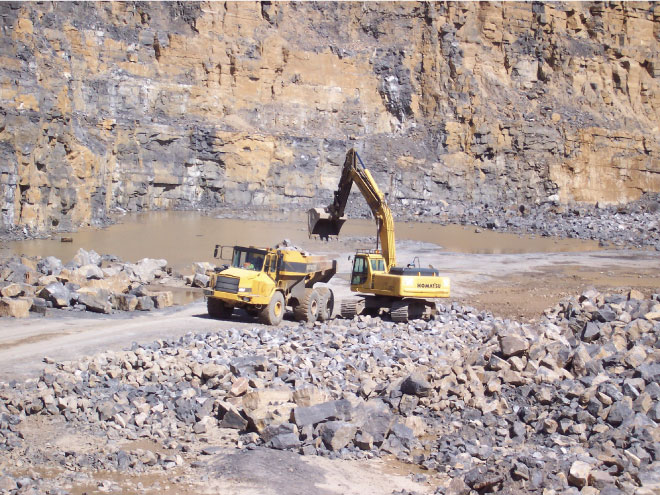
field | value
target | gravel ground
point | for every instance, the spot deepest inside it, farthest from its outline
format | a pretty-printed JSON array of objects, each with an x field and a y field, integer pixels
[{"x": 471, "y": 402}]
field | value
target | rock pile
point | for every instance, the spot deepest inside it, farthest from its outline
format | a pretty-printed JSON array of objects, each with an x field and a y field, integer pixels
[
  {"x": 570, "y": 403},
  {"x": 635, "y": 224},
  {"x": 89, "y": 282}
]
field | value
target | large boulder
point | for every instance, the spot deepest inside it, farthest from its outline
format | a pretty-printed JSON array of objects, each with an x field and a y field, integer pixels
[
  {"x": 146, "y": 270},
  {"x": 96, "y": 302},
  {"x": 126, "y": 302},
  {"x": 203, "y": 267},
  {"x": 512, "y": 345},
  {"x": 57, "y": 294},
  {"x": 18, "y": 308},
  {"x": 118, "y": 283},
  {"x": 89, "y": 272},
  {"x": 337, "y": 434},
  {"x": 11, "y": 290},
  {"x": 163, "y": 299},
  {"x": 200, "y": 280},
  {"x": 21, "y": 274},
  {"x": 50, "y": 266},
  {"x": 83, "y": 258}
]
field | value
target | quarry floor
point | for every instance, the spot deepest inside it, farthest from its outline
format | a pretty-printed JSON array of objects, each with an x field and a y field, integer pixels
[{"x": 513, "y": 285}]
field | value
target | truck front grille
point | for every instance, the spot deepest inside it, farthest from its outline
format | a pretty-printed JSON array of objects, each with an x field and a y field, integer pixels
[{"x": 226, "y": 284}]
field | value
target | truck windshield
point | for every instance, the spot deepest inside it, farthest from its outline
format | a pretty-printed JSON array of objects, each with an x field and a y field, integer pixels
[{"x": 249, "y": 259}]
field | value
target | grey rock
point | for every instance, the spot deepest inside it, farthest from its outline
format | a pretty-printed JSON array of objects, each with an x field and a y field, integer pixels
[
  {"x": 200, "y": 280},
  {"x": 510, "y": 345},
  {"x": 97, "y": 303},
  {"x": 145, "y": 303},
  {"x": 337, "y": 434},
  {"x": 84, "y": 257},
  {"x": 50, "y": 266},
  {"x": 57, "y": 294},
  {"x": 338, "y": 409},
  {"x": 591, "y": 332},
  {"x": 284, "y": 441},
  {"x": 416, "y": 384},
  {"x": 404, "y": 434}
]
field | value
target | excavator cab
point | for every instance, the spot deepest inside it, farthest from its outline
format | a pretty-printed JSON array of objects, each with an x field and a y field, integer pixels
[
  {"x": 323, "y": 224},
  {"x": 367, "y": 263}
]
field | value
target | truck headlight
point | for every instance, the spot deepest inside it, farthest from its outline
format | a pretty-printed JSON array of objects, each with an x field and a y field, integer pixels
[{"x": 244, "y": 289}]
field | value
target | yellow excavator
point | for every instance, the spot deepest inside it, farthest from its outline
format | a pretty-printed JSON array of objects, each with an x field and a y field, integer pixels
[{"x": 403, "y": 292}]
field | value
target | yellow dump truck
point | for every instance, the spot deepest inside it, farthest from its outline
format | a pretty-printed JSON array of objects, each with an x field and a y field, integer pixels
[{"x": 264, "y": 281}]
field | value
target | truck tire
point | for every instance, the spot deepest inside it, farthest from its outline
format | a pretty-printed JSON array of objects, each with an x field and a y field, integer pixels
[
  {"x": 326, "y": 303},
  {"x": 218, "y": 309},
  {"x": 308, "y": 309},
  {"x": 273, "y": 312}
]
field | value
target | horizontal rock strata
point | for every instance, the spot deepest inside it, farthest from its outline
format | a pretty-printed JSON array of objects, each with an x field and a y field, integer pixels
[{"x": 127, "y": 107}]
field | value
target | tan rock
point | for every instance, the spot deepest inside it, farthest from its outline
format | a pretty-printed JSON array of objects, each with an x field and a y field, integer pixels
[
  {"x": 239, "y": 387},
  {"x": 578, "y": 474},
  {"x": 309, "y": 396},
  {"x": 11, "y": 290},
  {"x": 635, "y": 294},
  {"x": 163, "y": 299},
  {"x": 17, "y": 308},
  {"x": 126, "y": 302},
  {"x": 45, "y": 280},
  {"x": 267, "y": 396}
]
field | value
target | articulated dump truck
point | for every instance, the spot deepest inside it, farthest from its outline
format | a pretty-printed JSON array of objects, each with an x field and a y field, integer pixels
[{"x": 265, "y": 281}]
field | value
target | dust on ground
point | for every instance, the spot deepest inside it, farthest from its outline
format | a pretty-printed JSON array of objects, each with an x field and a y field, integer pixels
[{"x": 525, "y": 297}]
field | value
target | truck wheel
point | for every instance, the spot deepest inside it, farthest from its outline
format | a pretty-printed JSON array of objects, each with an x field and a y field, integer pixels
[
  {"x": 326, "y": 303},
  {"x": 273, "y": 313},
  {"x": 308, "y": 309},
  {"x": 218, "y": 309}
]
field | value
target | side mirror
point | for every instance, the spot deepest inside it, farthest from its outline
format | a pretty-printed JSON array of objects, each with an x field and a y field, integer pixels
[{"x": 215, "y": 251}]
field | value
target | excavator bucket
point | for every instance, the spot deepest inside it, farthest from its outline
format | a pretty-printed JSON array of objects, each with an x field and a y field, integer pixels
[{"x": 323, "y": 224}]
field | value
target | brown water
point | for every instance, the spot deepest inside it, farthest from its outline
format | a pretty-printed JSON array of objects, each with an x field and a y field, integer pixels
[{"x": 185, "y": 237}]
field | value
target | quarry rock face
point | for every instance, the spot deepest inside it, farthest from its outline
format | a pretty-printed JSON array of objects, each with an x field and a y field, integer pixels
[{"x": 129, "y": 107}]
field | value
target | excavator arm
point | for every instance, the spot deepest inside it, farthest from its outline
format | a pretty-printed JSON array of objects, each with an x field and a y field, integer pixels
[{"x": 328, "y": 221}]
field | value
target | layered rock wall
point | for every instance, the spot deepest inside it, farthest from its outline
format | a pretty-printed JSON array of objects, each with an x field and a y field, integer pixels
[{"x": 134, "y": 106}]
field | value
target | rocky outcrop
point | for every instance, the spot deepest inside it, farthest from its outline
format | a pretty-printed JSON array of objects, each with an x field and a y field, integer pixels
[{"x": 134, "y": 106}]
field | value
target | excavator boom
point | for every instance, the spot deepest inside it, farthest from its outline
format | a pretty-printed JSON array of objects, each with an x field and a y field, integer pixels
[{"x": 328, "y": 221}]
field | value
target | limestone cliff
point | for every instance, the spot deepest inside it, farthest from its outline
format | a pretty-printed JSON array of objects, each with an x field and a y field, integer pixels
[{"x": 110, "y": 106}]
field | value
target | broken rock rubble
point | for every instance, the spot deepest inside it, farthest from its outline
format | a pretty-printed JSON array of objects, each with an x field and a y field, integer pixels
[
  {"x": 483, "y": 403},
  {"x": 91, "y": 282}
]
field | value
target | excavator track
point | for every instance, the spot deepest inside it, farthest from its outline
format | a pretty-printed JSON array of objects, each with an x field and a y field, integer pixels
[
  {"x": 351, "y": 307},
  {"x": 399, "y": 312},
  {"x": 411, "y": 309}
]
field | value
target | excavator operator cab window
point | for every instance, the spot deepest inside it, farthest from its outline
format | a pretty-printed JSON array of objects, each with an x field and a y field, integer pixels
[
  {"x": 360, "y": 267},
  {"x": 377, "y": 265}
]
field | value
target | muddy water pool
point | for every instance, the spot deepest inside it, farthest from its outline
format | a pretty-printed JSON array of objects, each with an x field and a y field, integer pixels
[{"x": 186, "y": 237}]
